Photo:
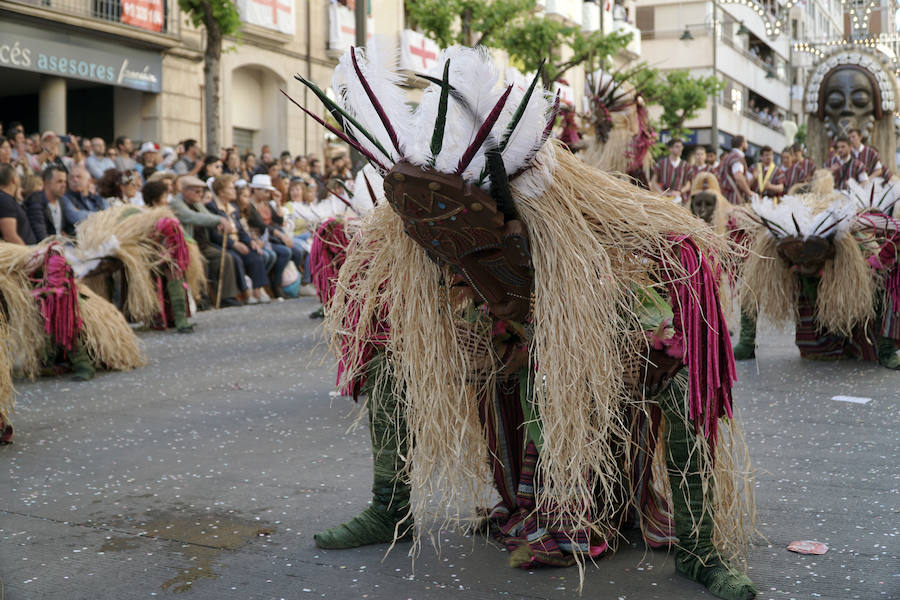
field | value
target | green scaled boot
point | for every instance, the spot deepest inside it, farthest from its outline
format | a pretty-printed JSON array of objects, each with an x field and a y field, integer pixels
[
  {"x": 887, "y": 353},
  {"x": 82, "y": 366},
  {"x": 390, "y": 493},
  {"x": 745, "y": 349},
  {"x": 695, "y": 556},
  {"x": 178, "y": 302}
]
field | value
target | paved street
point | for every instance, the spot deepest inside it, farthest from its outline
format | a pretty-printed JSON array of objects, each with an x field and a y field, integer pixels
[{"x": 208, "y": 471}]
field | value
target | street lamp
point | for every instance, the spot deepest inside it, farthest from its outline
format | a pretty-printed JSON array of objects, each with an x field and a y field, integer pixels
[
  {"x": 742, "y": 30},
  {"x": 686, "y": 36}
]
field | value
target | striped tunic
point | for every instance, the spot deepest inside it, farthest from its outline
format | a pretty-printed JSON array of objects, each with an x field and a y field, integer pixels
[
  {"x": 671, "y": 177},
  {"x": 845, "y": 171},
  {"x": 868, "y": 156},
  {"x": 726, "y": 176},
  {"x": 799, "y": 172}
]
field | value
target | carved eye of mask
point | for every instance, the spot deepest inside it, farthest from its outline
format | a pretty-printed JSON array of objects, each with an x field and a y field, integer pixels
[
  {"x": 860, "y": 98},
  {"x": 835, "y": 100}
]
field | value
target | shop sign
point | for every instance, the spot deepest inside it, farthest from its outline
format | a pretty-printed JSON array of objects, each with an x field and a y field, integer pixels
[
  {"x": 146, "y": 14},
  {"x": 67, "y": 55}
]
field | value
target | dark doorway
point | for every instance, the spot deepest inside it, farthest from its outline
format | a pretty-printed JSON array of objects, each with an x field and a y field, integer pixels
[{"x": 89, "y": 112}]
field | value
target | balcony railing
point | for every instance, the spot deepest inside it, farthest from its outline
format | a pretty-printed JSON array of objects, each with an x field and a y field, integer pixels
[{"x": 159, "y": 16}]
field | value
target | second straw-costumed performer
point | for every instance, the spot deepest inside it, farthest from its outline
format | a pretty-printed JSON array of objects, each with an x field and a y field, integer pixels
[{"x": 545, "y": 319}]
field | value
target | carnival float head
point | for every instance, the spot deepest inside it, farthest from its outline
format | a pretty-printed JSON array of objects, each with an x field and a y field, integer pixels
[
  {"x": 851, "y": 89},
  {"x": 622, "y": 134}
]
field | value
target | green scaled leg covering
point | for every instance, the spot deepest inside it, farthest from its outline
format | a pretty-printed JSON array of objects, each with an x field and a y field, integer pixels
[
  {"x": 695, "y": 556},
  {"x": 390, "y": 492},
  {"x": 178, "y": 302},
  {"x": 887, "y": 353},
  {"x": 745, "y": 349},
  {"x": 82, "y": 366}
]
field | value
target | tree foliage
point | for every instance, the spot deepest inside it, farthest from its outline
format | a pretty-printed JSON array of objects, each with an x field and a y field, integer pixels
[
  {"x": 221, "y": 14},
  {"x": 511, "y": 26},
  {"x": 530, "y": 41},
  {"x": 681, "y": 96},
  {"x": 219, "y": 18},
  {"x": 479, "y": 20}
]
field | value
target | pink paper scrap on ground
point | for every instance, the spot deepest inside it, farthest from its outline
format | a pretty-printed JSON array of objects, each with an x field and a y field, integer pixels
[{"x": 808, "y": 547}]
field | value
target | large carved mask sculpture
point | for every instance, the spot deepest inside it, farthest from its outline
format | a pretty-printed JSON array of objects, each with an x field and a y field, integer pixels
[{"x": 850, "y": 100}]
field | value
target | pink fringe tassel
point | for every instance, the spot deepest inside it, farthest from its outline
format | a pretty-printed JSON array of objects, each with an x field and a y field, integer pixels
[
  {"x": 326, "y": 257},
  {"x": 700, "y": 320},
  {"x": 57, "y": 298},
  {"x": 172, "y": 237}
]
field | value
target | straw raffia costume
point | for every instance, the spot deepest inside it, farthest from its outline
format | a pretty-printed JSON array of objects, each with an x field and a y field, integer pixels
[
  {"x": 622, "y": 134},
  {"x": 156, "y": 261},
  {"x": 51, "y": 319},
  {"x": 554, "y": 333},
  {"x": 832, "y": 270}
]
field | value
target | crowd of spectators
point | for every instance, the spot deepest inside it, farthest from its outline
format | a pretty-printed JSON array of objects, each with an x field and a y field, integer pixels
[{"x": 262, "y": 210}]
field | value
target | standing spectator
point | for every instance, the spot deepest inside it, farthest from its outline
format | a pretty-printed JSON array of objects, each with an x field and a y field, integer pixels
[
  {"x": 78, "y": 202},
  {"x": 14, "y": 225},
  {"x": 190, "y": 162},
  {"x": 198, "y": 222},
  {"x": 246, "y": 251},
  {"x": 148, "y": 157},
  {"x": 44, "y": 208},
  {"x": 48, "y": 154},
  {"x": 119, "y": 187},
  {"x": 124, "y": 148},
  {"x": 97, "y": 162}
]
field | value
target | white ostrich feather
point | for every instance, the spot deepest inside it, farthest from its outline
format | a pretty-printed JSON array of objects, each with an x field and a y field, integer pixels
[
  {"x": 528, "y": 137},
  {"x": 875, "y": 195},
  {"x": 379, "y": 67},
  {"x": 795, "y": 216},
  {"x": 362, "y": 201}
]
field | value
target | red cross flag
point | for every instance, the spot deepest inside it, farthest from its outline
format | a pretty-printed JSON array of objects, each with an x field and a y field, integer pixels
[
  {"x": 342, "y": 27},
  {"x": 418, "y": 53},
  {"x": 271, "y": 14}
]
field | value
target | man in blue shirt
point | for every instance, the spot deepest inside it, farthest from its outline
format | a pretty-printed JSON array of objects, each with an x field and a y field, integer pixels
[
  {"x": 78, "y": 202},
  {"x": 98, "y": 161}
]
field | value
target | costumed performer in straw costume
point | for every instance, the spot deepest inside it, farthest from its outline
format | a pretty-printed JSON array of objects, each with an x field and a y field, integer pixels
[
  {"x": 495, "y": 246},
  {"x": 156, "y": 259},
  {"x": 815, "y": 262},
  {"x": 54, "y": 322},
  {"x": 623, "y": 135}
]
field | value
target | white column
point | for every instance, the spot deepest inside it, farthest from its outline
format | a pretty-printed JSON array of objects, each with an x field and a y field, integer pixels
[{"x": 52, "y": 105}]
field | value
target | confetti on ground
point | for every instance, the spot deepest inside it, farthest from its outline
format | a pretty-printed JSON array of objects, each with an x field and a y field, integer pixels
[
  {"x": 808, "y": 547},
  {"x": 853, "y": 399}
]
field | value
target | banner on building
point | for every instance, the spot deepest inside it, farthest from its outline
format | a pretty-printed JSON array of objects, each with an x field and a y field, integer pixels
[
  {"x": 271, "y": 14},
  {"x": 146, "y": 14},
  {"x": 418, "y": 53},
  {"x": 342, "y": 27},
  {"x": 566, "y": 93}
]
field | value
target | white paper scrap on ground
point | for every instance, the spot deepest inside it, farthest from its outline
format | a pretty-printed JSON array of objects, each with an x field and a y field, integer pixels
[{"x": 853, "y": 399}]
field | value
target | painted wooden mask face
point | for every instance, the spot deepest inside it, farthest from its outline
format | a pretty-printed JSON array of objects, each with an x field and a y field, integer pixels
[
  {"x": 807, "y": 256},
  {"x": 703, "y": 205},
  {"x": 849, "y": 99},
  {"x": 459, "y": 224}
]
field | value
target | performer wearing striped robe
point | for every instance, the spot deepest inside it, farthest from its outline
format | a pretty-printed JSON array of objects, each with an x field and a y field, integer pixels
[
  {"x": 733, "y": 171},
  {"x": 671, "y": 175},
  {"x": 867, "y": 155},
  {"x": 768, "y": 180},
  {"x": 844, "y": 167},
  {"x": 801, "y": 169}
]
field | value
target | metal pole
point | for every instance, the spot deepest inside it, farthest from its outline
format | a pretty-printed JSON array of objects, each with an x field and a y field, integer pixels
[
  {"x": 357, "y": 160},
  {"x": 715, "y": 103}
]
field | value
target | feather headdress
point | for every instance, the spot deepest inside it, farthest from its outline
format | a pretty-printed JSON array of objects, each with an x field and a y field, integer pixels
[
  {"x": 464, "y": 109},
  {"x": 796, "y": 216},
  {"x": 876, "y": 195}
]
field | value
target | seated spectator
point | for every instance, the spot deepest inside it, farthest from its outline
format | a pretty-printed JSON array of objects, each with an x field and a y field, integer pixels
[
  {"x": 246, "y": 251},
  {"x": 14, "y": 225},
  {"x": 97, "y": 161},
  {"x": 120, "y": 187},
  {"x": 232, "y": 163},
  {"x": 212, "y": 167},
  {"x": 191, "y": 160},
  {"x": 249, "y": 161},
  {"x": 124, "y": 148},
  {"x": 286, "y": 163},
  {"x": 78, "y": 202},
  {"x": 44, "y": 208},
  {"x": 198, "y": 222},
  {"x": 48, "y": 154},
  {"x": 5, "y": 151},
  {"x": 148, "y": 157},
  {"x": 155, "y": 194}
]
